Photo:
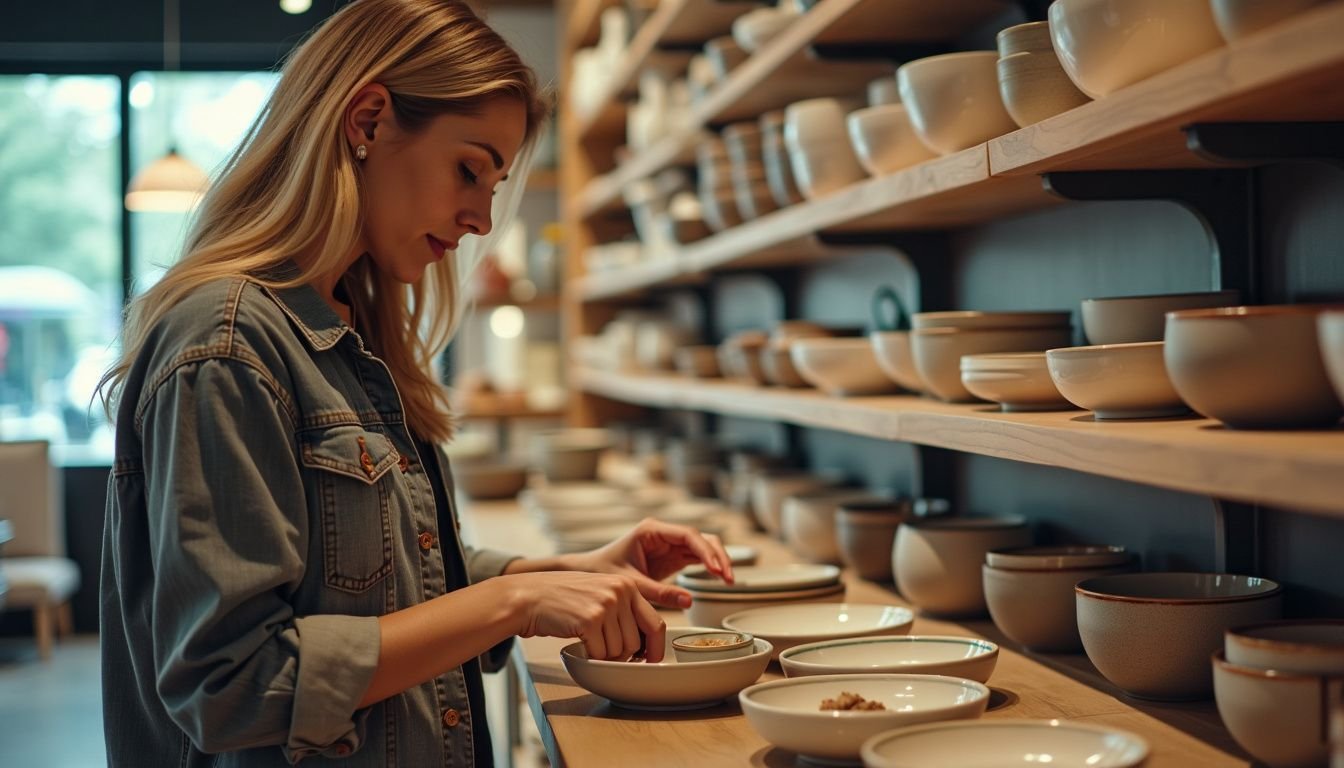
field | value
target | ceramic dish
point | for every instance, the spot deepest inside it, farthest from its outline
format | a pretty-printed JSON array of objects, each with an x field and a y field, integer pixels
[
  {"x": 1005, "y": 743},
  {"x": 967, "y": 657},
  {"x": 670, "y": 684},
  {"x": 1282, "y": 718},
  {"x": 490, "y": 479},
  {"x": 712, "y": 645},
  {"x": 840, "y": 367},
  {"x": 1312, "y": 646},
  {"x": 741, "y": 554},
  {"x": 1130, "y": 319},
  {"x": 953, "y": 99},
  {"x": 937, "y": 562},
  {"x": 709, "y": 609},
  {"x": 763, "y": 578},
  {"x": 896, "y": 358},
  {"x": 1116, "y": 381},
  {"x": 788, "y": 714},
  {"x": 1044, "y": 558},
  {"x": 786, "y": 626},
  {"x": 938, "y": 352},
  {"x": 1037, "y": 608},
  {"x": 1017, "y": 381},
  {"x": 968, "y": 319}
]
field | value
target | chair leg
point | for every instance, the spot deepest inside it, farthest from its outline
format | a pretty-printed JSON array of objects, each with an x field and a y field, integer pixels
[
  {"x": 65, "y": 621},
  {"x": 42, "y": 626}
]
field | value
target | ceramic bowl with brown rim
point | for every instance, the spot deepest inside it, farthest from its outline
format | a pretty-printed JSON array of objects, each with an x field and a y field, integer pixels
[
  {"x": 1279, "y": 717},
  {"x": 1313, "y": 646}
]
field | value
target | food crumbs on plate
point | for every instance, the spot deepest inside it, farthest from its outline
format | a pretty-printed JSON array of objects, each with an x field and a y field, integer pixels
[
  {"x": 714, "y": 642},
  {"x": 852, "y": 702}
]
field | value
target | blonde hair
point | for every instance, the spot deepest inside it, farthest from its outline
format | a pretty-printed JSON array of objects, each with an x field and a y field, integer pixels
[{"x": 292, "y": 188}]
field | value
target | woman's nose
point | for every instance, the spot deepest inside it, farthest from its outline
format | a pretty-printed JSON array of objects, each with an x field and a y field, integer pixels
[{"x": 476, "y": 218}]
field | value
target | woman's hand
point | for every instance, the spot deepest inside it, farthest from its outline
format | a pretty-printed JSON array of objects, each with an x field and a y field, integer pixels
[
  {"x": 654, "y": 550},
  {"x": 605, "y": 611}
]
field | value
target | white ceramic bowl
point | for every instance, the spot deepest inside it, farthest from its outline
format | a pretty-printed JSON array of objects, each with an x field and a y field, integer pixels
[
  {"x": 896, "y": 358},
  {"x": 1252, "y": 367},
  {"x": 865, "y": 532},
  {"x": 770, "y": 487},
  {"x": 971, "y": 319},
  {"x": 709, "y": 609},
  {"x": 490, "y": 479},
  {"x": 570, "y": 522},
  {"x": 1057, "y": 558},
  {"x": 954, "y": 100},
  {"x": 1037, "y": 609},
  {"x": 786, "y": 626},
  {"x": 1238, "y": 18},
  {"x": 937, "y": 562},
  {"x": 1031, "y": 37},
  {"x": 670, "y": 684},
  {"x": 824, "y": 167},
  {"x": 1034, "y": 87},
  {"x": 712, "y": 645},
  {"x": 1330, "y": 328},
  {"x": 968, "y": 657},
  {"x": 841, "y": 367},
  {"x": 1130, "y": 319},
  {"x": 1279, "y": 717},
  {"x": 1105, "y": 45},
  {"x": 570, "y": 454},
  {"x": 938, "y": 352},
  {"x": 754, "y": 29},
  {"x": 1152, "y": 634},
  {"x": 1005, "y": 743},
  {"x": 1017, "y": 381},
  {"x": 1116, "y": 381},
  {"x": 815, "y": 121},
  {"x": 884, "y": 139},
  {"x": 762, "y": 578},
  {"x": 1308, "y": 646},
  {"x": 787, "y": 712},
  {"x": 808, "y": 522},
  {"x": 700, "y": 362},
  {"x": 883, "y": 90}
]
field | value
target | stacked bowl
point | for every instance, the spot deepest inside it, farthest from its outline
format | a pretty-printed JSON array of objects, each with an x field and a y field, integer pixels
[
  {"x": 820, "y": 155},
  {"x": 775, "y": 157},
  {"x": 940, "y": 340},
  {"x": 750, "y": 188},
  {"x": 713, "y": 600},
  {"x": 840, "y": 367},
  {"x": 953, "y": 100},
  {"x": 1030, "y": 595},
  {"x": 808, "y": 521},
  {"x": 937, "y": 562},
  {"x": 718, "y": 196},
  {"x": 1031, "y": 81},
  {"x": 771, "y": 486}
]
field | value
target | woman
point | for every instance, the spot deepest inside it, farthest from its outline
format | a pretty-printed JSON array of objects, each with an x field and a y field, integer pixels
[{"x": 282, "y": 578}]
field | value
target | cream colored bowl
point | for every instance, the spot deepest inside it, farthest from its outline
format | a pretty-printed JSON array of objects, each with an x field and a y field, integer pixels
[
  {"x": 1310, "y": 646},
  {"x": 670, "y": 684},
  {"x": 570, "y": 454},
  {"x": 808, "y": 522},
  {"x": 1238, "y": 18},
  {"x": 896, "y": 358},
  {"x": 1037, "y": 609},
  {"x": 490, "y": 479},
  {"x": 1017, "y": 381},
  {"x": 752, "y": 30},
  {"x": 938, "y": 352},
  {"x": 712, "y": 645},
  {"x": 786, "y": 626},
  {"x": 540, "y": 501},
  {"x": 865, "y": 532},
  {"x": 1130, "y": 319},
  {"x": 1005, "y": 743},
  {"x": 1057, "y": 558},
  {"x": 1031, "y": 37},
  {"x": 1116, "y": 381},
  {"x": 824, "y": 167},
  {"x": 1152, "y": 634},
  {"x": 937, "y": 562},
  {"x": 709, "y": 609},
  {"x": 770, "y": 487},
  {"x": 1330, "y": 328},
  {"x": 884, "y": 139},
  {"x": 841, "y": 367},
  {"x": 966, "y": 657},
  {"x": 1105, "y": 45},
  {"x": 971, "y": 319},
  {"x": 1252, "y": 367},
  {"x": 787, "y": 712},
  {"x": 954, "y": 100},
  {"x": 1035, "y": 87},
  {"x": 1279, "y": 717}
]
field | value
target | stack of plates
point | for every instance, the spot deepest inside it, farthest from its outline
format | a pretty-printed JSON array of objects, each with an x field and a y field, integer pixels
[{"x": 757, "y": 587}]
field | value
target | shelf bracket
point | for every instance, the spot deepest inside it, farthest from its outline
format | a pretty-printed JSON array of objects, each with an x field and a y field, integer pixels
[
  {"x": 1263, "y": 143},
  {"x": 1222, "y": 199},
  {"x": 1236, "y": 544},
  {"x": 928, "y": 251}
]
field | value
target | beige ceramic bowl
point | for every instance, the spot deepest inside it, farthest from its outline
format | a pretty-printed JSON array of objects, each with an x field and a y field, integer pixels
[
  {"x": 1035, "y": 87},
  {"x": 938, "y": 352},
  {"x": 807, "y": 521},
  {"x": 786, "y": 626},
  {"x": 1005, "y": 744},
  {"x": 1238, "y": 18},
  {"x": 1130, "y": 319},
  {"x": 884, "y": 139},
  {"x": 709, "y": 609},
  {"x": 787, "y": 712},
  {"x": 752, "y": 30},
  {"x": 775, "y": 157},
  {"x": 1017, "y": 381},
  {"x": 740, "y": 355},
  {"x": 1105, "y": 45},
  {"x": 896, "y": 358},
  {"x": 954, "y": 100},
  {"x": 1037, "y": 608},
  {"x": 1252, "y": 367},
  {"x": 571, "y": 496},
  {"x": 490, "y": 479},
  {"x": 1279, "y": 717},
  {"x": 712, "y": 645},
  {"x": 1116, "y": 381},
  {"x": 1310, "y": 646},
  {"x": 670, "y": 684},
  {"x": 840, "y": 367},
  {"x": 1057, "y": 558},
  {"x": 777, "y": 364},
  {"x": 865, "y": 532},
  {"x": 824, "y": 167},
  {"x": 1152, "y": 634},
  {"x": 770, "y": 487},
  {"x": 698, "y": 362},
  {"x": 966, "y": 657},
  {"x": 970, "y": 319},
  {"x": 1031, "y": 37},
  {"x": 570, "y": 454},
  {"x": 724, "y": 54},
  {"x": 937, "y": 562},
  {"x": 1330, "y": 328}
]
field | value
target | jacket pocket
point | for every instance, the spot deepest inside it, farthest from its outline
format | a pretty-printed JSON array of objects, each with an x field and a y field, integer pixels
[{"x": 349, "y": 483}]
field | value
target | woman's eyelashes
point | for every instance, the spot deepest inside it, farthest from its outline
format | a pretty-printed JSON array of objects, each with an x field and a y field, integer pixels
[{"x": 467, "y": 175}]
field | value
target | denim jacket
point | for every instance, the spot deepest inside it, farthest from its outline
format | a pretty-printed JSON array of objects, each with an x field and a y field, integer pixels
[{"x": 266, "y": 505}]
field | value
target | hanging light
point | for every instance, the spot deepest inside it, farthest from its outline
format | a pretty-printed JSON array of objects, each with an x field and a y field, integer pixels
[{"x": 172, "y": 183}]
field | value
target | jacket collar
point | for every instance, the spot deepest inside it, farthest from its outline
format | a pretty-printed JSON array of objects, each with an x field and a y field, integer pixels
[{"x": 317, "y": 322}]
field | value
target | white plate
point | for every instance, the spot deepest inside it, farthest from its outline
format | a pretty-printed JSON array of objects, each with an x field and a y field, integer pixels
[
  {"x": 763, "y": 578},
  {"x": 1005, "y": 743},
  {"x": 786, "y": 626},
  {"x": 741, "y": 554},
  {"x": 668, "y": 685},
  {"x": 966, "y": 657}
]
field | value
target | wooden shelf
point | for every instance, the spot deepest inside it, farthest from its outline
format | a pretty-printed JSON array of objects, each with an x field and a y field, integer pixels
[
  {"x": 1294, "y": 470},
  {"x": 534, "y": 304},
  {"x": 543, "y": 180},
  {"x": 486, "y": 410},
  {"x": 632, "y": 280}
]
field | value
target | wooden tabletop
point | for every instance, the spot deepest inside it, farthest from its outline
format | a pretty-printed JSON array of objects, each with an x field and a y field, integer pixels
[{"x": 583, "y": 729}]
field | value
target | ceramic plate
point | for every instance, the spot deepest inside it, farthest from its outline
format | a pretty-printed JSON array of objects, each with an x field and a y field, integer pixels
[
  {"x": 788, "y": 625},
  {"x": 967, "y": 657},
  {"x": 763, "y": 578},
  {"x": 1005, "y": 743}
]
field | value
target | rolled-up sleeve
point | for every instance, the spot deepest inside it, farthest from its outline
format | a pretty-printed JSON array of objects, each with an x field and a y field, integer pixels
[{"x": 235, "y": 667}]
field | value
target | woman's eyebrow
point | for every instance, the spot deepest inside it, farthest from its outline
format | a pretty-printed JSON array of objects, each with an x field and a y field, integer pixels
[{"x": 494, "y": 153}]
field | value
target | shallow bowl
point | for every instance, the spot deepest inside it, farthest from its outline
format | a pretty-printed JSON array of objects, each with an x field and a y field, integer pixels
[
  {"x": 953, "y": 99},
  {"x": 968, "y": 657},
  {"x": 1017, "y": 381},
  {"x": 711, "y": 608},
  {"x": 1116, "y": 381},
  {"x": 1130, "y": 319},
  {"x": 841, "y": 367},
  {"x": 1005, "y": 743},
  {"x": 786, "y": 626},
  {"x": 938, "y": 352},
  {"x": 712, "y": 645},
  {"x": 1310, "y": 646}
]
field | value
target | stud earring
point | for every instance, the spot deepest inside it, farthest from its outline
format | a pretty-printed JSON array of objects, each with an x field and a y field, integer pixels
[{"x": 361, "y": 152}]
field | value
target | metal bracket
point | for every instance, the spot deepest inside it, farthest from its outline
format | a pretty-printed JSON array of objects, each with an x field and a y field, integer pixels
[
  {"x": 1035, "y": 10},
  {"x": 929, "y": 252},
  {"x": 1236, "y": 538},
  {"x": 1222, "y": 199},
  {"x": 1262, "y": 143},
  {"x": 870, "y": 51}
]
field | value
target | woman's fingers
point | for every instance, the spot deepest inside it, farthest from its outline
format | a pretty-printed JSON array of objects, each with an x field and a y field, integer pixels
[
  {"x": 652, "y": 625},
  {"x": 629, "y": 627}
]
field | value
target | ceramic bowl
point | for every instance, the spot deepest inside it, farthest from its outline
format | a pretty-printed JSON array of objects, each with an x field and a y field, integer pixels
[
  {"x": 567, "y": 496},
  {"x": 1130, "y": 319},
  {"x": 712, "y": 645},
  {"x": 865, "y": 532},
  {"x": 1004, "y": 744},
  {"x": 670, "y": 684},
  {"x": 777, "y": 363},
  {"x": 884, "y": 139},
  {"x": 883, "y": 90},
  {"x": 1252, "y": 367},
  {"x": 752, "y": 30},
  {"x": 1105, "y": 45},
  {"x": 1279, "y": 717},
  {"x": 787, "y": 713},
  {"x": 1031, "y": 37},
  {"x": 840, "y": 367},
  {"x": 724, "y": 54},
  {"x": 490, "y": 479},
  {"x": 1036, "y": 609},
  {"x": 938, "y": 352},
  {"x": 1309, "y": 646},
  {"x": 1017, "y": 381},
  {"x": 1116, "y": 381},
  {"x": 570, "y": 454},
  {"x": 586, "y": 538},
  {"x": 966, "y": 657},
  {"x": 1057, "y": 558},
  {"x": 824, "y": 167},
  {"x": 566, "y": 523},
  {"x": 709, "y": 609},
  {"x": 1034, "y": 87},
  {"x": 786, "y": 626},
  {"x": 896, "y": 358},
  {"x": 954, "y": 100},
  {"x": 760, "y": 579},
  {"x": 970, "y": 319},
  {"x": 1151, "y": 634},
  {"x": 775, "y": 158},
  {"x": 937, "y": 562},
  {"x": 771, "y": 487},
  {"x": 740, "y": 355},
  {"x": 815, "y": 121},
  {"x": 700, "y": 362},
  {"x": 807, "y": 521},
  {"x": 1330, "y": 329},
  {"x": 1238, "y": 18}
]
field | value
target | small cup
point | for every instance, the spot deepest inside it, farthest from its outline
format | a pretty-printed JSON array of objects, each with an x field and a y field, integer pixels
[{"x": 712, "y": 646}]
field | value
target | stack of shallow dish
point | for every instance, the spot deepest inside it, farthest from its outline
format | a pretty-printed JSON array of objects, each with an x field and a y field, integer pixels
[
  {"x": 940, "y": 339},
  {"x": 786, "y": 626},
  {"x": 1030, "y": 596},
  {"x": 713, "y": 600},
  {"x": 1032, "y": 82}
]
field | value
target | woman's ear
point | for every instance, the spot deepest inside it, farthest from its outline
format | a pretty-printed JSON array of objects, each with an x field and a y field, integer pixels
[{"x": 368, "y": 112}]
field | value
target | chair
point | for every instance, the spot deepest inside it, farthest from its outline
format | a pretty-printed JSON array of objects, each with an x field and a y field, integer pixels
[{"x": 40, "y": 576}]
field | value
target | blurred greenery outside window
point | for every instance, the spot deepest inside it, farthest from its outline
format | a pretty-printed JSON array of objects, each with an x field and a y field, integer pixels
[{"x": 60, "y": 229}]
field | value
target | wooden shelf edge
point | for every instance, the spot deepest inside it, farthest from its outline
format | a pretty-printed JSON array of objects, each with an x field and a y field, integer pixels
[
  {"x": 603, "y": 286},
  {"x": 1295, "y": 470}
]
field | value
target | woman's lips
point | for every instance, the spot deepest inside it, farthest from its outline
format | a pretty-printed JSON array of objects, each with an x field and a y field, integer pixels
[{"x": 439, "y": 247}]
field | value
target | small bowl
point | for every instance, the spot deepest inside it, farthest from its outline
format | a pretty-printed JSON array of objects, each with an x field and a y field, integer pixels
[
  {"x": 771, "y": 487},
  {"x": 1005, "y": 743},
  {"x": 1035, "y": 87},
  {"x": 937, "y": 562},
  {"x": 712, "y": 645},
  {"x": 777, "y": 363},
  {"x": 808, "y": 521},
  {"x": 968, "y": 657},
  {"x": 938, "y": 352},
  {"x": 840, "y": 367},
  {"x": 884, "y": 139},
  {"x": 570, "y": 454},
  {"x": 1305, "y": 646},
  {"x": 1037, "y": 609},
  {"x": 571, "y": 496},
  {"x": 824, "y": 167},
  {"x": 865, "y": 532},
  {"x": 1031, "y": 37},
  {"x": 740, "y": 355},
  {"x": 752, "y": 30},
  {"x": 1238, "y": 18},
  {"x": 787, "y": 713},
  {"x": 1252, "y": 367},
  {"x": 1017, "y": 381},
  {"x": 700, "y": 362},
  {"x": 971, "y": 319},
  {"x": 709, "y": 609},
  {"x": 896, "y": 358},
  {"x": 883, "y": 90},
  {"x": 1116, "y": 381},
  {"x": 1105, "y": 45},
  {"x": 954, "y": 100},
  {"x": 490, "y": 479},
  {"x": 1131, "y": 319},
  {"x": 1151, "y": 634},
  {"x": 1057, "y": 558},
  {"x": 1330, "y": 328},
  {"x": 1281, "y": 718},
  {"x": 815, "y": 121},
  {"x": 786, "y": 626},
  {"x": 724, "y": 54}
]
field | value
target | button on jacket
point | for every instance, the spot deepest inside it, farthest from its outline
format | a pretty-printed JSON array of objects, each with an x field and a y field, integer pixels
[{"x": 267, "y": 503}]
